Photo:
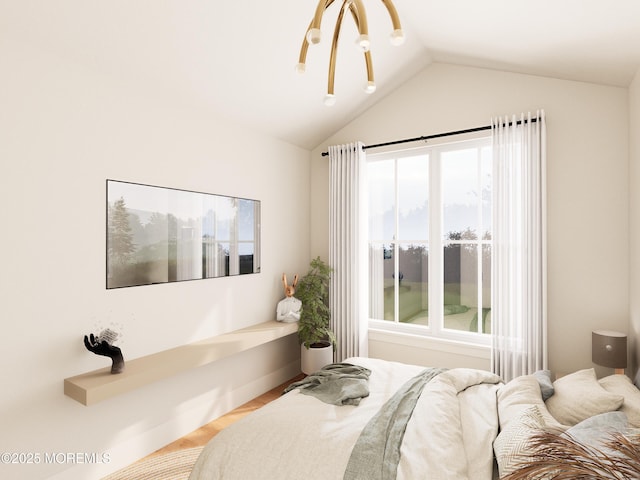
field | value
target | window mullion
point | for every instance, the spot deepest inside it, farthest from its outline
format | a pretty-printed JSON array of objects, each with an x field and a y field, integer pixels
[
  {"x": 396, "y": 249},
  {"x": 436, "y": 267},
  {"x": 479, "y": 250}
]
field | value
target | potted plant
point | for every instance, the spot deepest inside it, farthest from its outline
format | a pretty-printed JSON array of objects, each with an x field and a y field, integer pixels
[{"x": 317, "y": 340}]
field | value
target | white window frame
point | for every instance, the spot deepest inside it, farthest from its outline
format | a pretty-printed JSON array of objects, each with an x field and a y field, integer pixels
[{"x": 436, "y": 242}]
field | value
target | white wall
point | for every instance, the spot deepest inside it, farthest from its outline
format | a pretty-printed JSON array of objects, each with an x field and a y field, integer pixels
[
  {"x": 634, "y": 224},
  {"x": 63, "y": 131},
  {"x": 587, "y": 181}
]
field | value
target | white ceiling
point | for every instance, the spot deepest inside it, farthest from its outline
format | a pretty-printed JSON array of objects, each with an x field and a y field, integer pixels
[{"x": 237, "y": 57}]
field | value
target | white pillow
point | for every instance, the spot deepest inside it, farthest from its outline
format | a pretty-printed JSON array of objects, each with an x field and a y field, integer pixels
[
  {"x": 579, "y": 396},
  {"x": 519, "y": 394},
  {"x": 621, "y": 385},
  {"x": 514, "y": 441}
]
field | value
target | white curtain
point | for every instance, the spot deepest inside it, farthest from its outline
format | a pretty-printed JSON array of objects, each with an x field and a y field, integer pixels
[
  {"x": 347, "y": 249},
  {"x": 519, "y": 298}
]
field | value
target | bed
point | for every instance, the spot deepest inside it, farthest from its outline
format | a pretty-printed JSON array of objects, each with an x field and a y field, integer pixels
[{"x": 462, "y": 424}]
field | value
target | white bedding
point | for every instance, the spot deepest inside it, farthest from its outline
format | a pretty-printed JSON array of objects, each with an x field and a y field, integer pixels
[{"x": 297, "y": 436}]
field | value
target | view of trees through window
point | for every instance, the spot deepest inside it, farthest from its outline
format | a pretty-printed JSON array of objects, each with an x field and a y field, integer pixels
[{"x": 429, "y": 212}]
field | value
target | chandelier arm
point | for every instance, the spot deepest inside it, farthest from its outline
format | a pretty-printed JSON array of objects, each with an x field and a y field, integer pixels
[
  {"x": 360, "y": 14},
  {"x": 304, "y": 48},
  {"x": 320, "y": 8},
  {"x": 317, "y": 17},
  {"x": 367, "y": 53},
  {"x": 369, "y": 62},
  {"x": 302, "y": 58},
  {"x": 334, "y": 51},
  {"x": 393, "y": 13}
]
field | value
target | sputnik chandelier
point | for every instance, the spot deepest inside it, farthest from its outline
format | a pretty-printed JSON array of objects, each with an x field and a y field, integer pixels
[{"x": 356, "y": 7}]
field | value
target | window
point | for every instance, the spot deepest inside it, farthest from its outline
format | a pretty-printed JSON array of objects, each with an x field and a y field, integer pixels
[{"x": 429, "y": 237}]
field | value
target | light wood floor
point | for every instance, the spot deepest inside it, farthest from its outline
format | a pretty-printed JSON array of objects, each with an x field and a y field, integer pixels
[{"x": 202, "y": 435}]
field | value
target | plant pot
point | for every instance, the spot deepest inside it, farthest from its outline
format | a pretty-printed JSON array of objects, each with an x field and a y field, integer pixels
[{"x": 317, "y": 356}]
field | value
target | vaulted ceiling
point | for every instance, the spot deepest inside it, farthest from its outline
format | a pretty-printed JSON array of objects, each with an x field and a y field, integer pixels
[{"x": 237, "y": 57}]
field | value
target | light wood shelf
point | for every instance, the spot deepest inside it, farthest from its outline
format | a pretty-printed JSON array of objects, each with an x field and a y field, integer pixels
[{"x": 92, "y": 387}]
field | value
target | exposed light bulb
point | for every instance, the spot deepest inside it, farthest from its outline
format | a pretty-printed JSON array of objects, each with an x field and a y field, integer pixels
[
  {"x": 314, "y": 35},
  {"x": 330, "y": 100},
  {"x": 363, "y": 42},
  {"x": 397, "y": 37},
  {"x": 300, "y": 68},
  {"x": 370, "y": 88}
]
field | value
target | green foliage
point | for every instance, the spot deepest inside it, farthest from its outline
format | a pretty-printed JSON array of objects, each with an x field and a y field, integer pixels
[
  {"x": 121, "y": 246},
  {"x": 315, "y": 318}
]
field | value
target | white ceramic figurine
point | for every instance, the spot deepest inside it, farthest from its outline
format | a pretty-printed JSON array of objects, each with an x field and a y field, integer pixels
[{"x": 288, "y": 309}]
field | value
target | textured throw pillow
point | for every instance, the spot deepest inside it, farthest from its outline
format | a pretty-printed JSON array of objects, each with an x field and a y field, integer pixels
[
  {"x": 621, "y": 385},
  {"x": 596, "y": 431},
  {"x": 546, "y": 385},
  {"x": 579, "y": 396},
  {"x": 513, "y": 441}
]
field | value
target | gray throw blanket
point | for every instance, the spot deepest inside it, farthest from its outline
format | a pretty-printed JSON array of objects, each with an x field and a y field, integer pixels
[
  {"x": 376, "y": 453},
  {"x": 336, "y": 383}
]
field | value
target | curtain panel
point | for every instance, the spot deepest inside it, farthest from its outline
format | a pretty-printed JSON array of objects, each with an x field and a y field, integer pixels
[
  {"x": 519, "y": 286},
  {"x": 347, "y": 249}
]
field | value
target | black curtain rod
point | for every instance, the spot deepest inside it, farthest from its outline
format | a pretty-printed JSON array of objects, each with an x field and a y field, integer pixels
[{"x": 437, "y": 135}]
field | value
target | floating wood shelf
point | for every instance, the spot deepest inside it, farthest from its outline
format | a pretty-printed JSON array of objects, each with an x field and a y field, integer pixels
[{"x": 93, "y": 387}]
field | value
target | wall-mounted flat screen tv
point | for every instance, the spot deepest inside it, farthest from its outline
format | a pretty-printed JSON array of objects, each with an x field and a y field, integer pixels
[{"x": 160, "y": 235}]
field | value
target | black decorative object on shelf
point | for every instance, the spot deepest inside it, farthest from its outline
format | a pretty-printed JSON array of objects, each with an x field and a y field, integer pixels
[{"x": 102, "y": 345}]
